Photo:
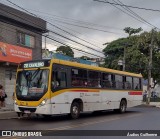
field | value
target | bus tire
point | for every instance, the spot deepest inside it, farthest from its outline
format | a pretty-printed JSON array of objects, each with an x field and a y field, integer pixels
[
  {"x": 123, "y": 106},
  {"x": 75, "y": 110},
  {"x": 47, "y": 116}
]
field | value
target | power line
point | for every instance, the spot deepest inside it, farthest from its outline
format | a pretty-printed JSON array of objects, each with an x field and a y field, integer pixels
[
  {"x": 135, "y": 14},
  {"x": 21, "y": 8},
  {"x": 60, "y": 17},
  {"x": 50, "y": 37},
  {"x": 128, "y": 13},
  {"x": 73, "y": 47},
  {"x": 60, "y": 29},
  {"x": 131, "y": 13},
  {"x": 72, "y": 34},
  {"x": 74, "y": 20},
  {"x": 140, "y": 8},
  {"x": 75, "y": 31},
  {"x": 75, "y": 41},
  {"x": 44, "y": 41},
  {"x": 86, "y": 27}
]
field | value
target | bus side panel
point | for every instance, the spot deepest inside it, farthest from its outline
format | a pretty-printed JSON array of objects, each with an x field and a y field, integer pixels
[
  {"x": 112, "y": 99},
  {"x": 62, "y": 102},
  {"x": 92, "y": 101}
]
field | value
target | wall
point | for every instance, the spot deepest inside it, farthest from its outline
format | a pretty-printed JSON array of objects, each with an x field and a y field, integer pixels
[{"x": 8, "y": 34}]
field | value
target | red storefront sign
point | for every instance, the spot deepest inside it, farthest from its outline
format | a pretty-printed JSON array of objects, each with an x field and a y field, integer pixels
[{"x": 14, "y": 54}]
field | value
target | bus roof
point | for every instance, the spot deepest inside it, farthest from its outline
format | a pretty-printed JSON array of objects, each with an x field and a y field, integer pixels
[{"x": 75, "y": 64}]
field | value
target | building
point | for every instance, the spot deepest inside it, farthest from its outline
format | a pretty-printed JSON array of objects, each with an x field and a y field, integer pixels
[{"x": 20, "y": 40}]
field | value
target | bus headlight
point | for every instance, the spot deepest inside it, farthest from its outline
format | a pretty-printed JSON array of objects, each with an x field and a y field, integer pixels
[{"x": 43, "y": 102}]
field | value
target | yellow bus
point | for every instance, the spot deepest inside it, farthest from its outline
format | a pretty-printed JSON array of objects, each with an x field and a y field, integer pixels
[{"x": 49, "y": 87}]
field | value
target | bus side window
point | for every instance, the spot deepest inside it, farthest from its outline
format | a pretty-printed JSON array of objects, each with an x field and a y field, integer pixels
[
  {"x": 128, "y": 84},
  {"x": 63, "y": 78},
  {"x": 136, "y": 83},
  {"x": 113, "y": 81},
  {"x": 106, "y": 80},
  {"x": 118, "y": 82}
]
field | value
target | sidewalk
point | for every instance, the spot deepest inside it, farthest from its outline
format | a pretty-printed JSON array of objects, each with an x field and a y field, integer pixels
[
  {"x": 152, "y": 104},
  {"x": 8, "y": 113}
]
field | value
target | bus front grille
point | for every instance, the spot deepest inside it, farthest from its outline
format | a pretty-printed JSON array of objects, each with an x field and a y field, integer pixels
[{"x": 27, "y": 109}]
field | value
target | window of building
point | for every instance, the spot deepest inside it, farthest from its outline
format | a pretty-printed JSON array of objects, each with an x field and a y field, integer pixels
[
  {"x": 25, "y": 39},
  {"x": 79, "y": 77}
]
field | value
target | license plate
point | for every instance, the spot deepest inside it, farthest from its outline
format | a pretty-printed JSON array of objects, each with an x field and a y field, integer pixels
[{"x": 27, "y": 112}]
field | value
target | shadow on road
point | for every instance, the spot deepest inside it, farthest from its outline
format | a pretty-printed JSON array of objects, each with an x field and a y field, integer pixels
[{"x": 83, "y": 116}]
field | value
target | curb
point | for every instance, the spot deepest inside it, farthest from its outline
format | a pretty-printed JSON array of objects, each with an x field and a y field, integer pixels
[{"x": 8, "y": 118}]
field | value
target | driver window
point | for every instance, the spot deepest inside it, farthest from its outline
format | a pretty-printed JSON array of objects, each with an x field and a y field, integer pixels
[
  {"x": 58, "y": 79},
  {"x": 55, "y": 81}
]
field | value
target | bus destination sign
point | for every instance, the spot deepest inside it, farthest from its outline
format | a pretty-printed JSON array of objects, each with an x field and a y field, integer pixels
[{"x": 34, "y": 65}]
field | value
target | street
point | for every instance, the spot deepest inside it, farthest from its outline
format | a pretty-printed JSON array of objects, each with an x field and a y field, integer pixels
[{"x": 137, "y": 118}]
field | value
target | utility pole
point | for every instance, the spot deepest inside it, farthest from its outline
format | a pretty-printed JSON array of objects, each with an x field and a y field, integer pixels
[
  {"x": 150, "y": 67},
  {"x": 124, "y": 58},
  {"x": 46, "y": 41}
]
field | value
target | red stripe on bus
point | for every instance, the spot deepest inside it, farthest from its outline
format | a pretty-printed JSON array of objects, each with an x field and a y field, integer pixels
[{"x": 135, "y": 93}]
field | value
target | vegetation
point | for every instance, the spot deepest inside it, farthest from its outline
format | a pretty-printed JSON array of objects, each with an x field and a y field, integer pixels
[
  {"x": 65, "y": 50},
  {"x": 137, "y": 54}
]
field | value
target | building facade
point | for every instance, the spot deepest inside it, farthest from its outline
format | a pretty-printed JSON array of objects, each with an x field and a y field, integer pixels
[{"x": 20, "y": 40}]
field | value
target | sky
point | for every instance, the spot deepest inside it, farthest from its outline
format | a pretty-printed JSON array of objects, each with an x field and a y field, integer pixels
[{"x": 93, "y": 23}]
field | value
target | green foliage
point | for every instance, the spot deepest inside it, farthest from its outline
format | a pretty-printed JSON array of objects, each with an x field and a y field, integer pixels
[
  {"x": 131, "y": 31},
  {"x": 137, "y": 54},
  {"x": 66, "y": 50}
]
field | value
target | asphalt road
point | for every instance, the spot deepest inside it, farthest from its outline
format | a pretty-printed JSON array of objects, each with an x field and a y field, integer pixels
[{"x": 138, "y": 118}]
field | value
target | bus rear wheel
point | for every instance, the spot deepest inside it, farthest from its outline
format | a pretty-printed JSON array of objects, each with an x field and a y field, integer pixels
[
  {"x": 75, "y": 110},
  {"x": 123, "y": 106}
]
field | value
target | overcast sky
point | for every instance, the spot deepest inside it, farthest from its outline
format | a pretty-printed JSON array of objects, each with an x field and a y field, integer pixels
[{"x": 88, "y": 13}]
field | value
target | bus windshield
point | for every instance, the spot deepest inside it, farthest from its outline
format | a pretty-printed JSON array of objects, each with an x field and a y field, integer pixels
[{"x": 31, "y": 85}]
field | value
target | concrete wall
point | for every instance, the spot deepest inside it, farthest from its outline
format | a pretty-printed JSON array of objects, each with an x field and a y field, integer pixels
[
  {"x": 11, "y": 22},
  {"x": 8, "y": 34}
]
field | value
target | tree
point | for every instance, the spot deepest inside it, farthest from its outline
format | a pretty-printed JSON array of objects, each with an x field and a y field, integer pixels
[
  {"x": 65, "y": 50},
  {"x": 131, "y": 31},
  {"x": 137, "y": 55}
]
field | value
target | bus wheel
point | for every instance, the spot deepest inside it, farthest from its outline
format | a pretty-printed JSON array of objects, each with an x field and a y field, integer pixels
[
  {"x": 123, "y": 106},
  {"x": 75, "y": 110},
  {"x": 47, "y": 116}
]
